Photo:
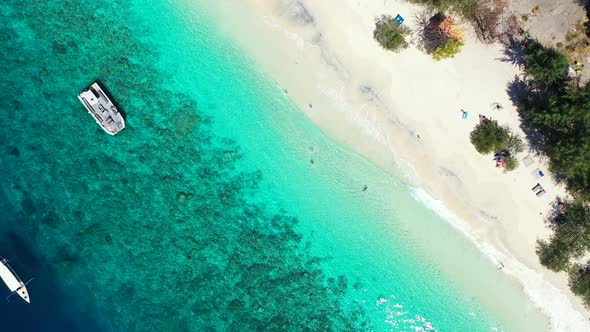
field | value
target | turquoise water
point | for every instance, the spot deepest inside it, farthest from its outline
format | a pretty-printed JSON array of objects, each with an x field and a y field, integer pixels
[{"x": 206, "y": 212}]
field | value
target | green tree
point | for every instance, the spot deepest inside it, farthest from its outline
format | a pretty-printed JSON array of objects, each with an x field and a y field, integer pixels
[
  {"x": 544, "y": 64},
  {"x": 488, "y": 137},
  {"x": 447, "y": 48},
  {"x": 514, "y": 145},
  {"x": 511, "y": 163},
  {"x": 554, "y": 255},
  {"x": 390, "y": 35},
  {"x": 560, "y": 118},
  {"x": 579, "y": 282},
  {"x": 571, "y": 237},
  {"x": 573, "y": 226}
]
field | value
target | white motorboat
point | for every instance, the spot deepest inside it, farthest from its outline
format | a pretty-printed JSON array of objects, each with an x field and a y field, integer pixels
[{"x": 102, "y": 109}]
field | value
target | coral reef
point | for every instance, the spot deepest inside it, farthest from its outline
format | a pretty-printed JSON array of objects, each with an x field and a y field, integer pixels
[{"x": 156, "y": 226}]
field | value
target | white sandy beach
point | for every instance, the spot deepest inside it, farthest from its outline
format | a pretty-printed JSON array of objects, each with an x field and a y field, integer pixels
[{"x": 402, "y": 111}]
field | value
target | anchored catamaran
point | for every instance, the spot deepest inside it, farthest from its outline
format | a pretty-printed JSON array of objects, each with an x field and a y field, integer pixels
[
  {"x": 102, "y": 109},
  {"x": 14, "y": 283}
]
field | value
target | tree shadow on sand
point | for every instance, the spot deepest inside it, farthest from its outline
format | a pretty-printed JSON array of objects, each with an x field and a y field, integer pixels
[
  {"x": 533, "y": 136},
  {"x": 513, "y": 53},
  {"x": 517, "y": 90}
]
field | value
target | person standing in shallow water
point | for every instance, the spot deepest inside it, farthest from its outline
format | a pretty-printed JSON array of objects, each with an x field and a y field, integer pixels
[{"x": 365, "y": 188}]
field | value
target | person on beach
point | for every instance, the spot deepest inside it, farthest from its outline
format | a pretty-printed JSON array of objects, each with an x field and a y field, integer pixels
[{"x": 465, "y": 114}]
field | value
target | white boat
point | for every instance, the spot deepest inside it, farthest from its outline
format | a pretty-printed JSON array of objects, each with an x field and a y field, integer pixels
[
  {"x": 14, "y": 283},
  {"x": 102, "y": 109}
]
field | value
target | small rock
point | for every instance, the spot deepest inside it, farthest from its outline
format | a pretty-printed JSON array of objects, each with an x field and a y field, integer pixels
[{"x": 183, "y": 197}]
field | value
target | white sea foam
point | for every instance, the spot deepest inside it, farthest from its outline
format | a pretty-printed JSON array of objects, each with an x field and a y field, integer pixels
[
  {"x": 341, "y": 104},
  {"x": 548, "y": 298},
  {"x": 395, "y": 316}
]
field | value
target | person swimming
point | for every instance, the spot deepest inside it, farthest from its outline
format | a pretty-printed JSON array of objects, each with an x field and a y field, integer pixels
[{"x": 365, "y": 188}]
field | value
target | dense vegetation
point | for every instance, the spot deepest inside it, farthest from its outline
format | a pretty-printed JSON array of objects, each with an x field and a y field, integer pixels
[
  {"x": 488, "y": 136},
  {"x": 547, "y": 66},
  {"x": 433, "y": 38},
  {"x": 447, "y": 48},
  {"x": 571, "y": 237},
  {"x": 486, "y": 16},
  {"x": 465, "y": 7},
  {"x": 580, "y": 282},
  {"x": 557, "y": 115},
  {"x": 390, "y": 35}
]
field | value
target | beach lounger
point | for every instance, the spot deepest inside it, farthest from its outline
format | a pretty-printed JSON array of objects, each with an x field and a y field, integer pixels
[
  {"x": 538, "y": 186},
  {"x": 527, "y": 161},
  {"x": 541, "y": 193}
]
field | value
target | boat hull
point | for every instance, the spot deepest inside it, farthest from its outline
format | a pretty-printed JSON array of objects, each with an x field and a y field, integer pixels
[
  {"x": 24, "y": 294},
  {"x": 12, "y": 281}
]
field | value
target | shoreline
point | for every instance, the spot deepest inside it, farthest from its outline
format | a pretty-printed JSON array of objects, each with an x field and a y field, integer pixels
[
  {"x": 365, "y": 95},
  {"x": 538, "y": 291}
]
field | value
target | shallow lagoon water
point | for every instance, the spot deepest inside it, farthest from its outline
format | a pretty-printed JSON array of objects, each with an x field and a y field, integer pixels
[{"x": 206, "y": 213}]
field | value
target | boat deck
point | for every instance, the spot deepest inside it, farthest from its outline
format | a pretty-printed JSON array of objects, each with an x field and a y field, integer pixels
[{"x": 102, "y": 109}]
